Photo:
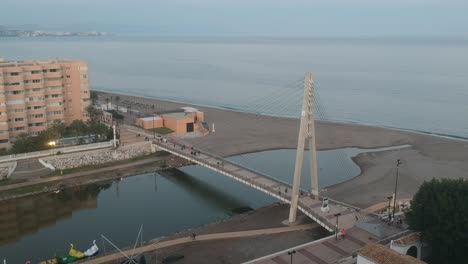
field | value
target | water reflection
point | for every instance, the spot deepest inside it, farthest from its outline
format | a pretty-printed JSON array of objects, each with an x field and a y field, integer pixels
[
  {"x": 26, "y": 216},
  {"x": 209, "y": 194}
]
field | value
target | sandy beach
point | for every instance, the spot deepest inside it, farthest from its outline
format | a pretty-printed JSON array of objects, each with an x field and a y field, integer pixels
[{"x": 237, "y": 133}]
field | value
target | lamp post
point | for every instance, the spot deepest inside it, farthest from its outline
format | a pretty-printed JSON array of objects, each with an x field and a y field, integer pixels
[
  {"x": 52, "y": 147},
  {"x": 388, "y": 210},
  {"x": 291, "y": 253},
  {"x": 336, "y": 226},
  {"x": 154, "y": 131},
  {"x": 396, "y": 185}
]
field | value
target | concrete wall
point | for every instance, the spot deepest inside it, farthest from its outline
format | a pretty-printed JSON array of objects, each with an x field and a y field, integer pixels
[
  {"x": 149, "y": 124},
  {"x": 87, "y": 158}
]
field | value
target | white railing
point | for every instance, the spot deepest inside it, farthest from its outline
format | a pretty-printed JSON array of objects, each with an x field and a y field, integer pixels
[{"x": 44, "y": 153}]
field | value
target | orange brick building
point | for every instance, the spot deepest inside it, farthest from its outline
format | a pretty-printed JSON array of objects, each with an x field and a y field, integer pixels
[{"x": 185, "y": 121}]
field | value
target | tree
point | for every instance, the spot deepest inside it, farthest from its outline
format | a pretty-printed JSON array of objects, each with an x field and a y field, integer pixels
[
  {"x": 78, "y": 128},
  {"x": 439, "y": 210},
  {"x": 94, "y": 97},
  {"x": 94, "y": 113}
]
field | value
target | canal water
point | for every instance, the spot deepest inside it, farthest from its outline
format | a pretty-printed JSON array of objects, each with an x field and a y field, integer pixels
[{"x": 38, "y": 227}]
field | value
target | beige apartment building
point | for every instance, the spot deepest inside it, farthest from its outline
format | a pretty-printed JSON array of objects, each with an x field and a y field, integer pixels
[{"x": 35, "y": 93}]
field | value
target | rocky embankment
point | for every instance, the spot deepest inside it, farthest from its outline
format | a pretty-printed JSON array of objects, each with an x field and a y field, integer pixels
[{"x": 88, "y": 158}]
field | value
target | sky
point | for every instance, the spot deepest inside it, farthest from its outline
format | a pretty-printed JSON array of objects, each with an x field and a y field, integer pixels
[{"x": 300, "y": 18}]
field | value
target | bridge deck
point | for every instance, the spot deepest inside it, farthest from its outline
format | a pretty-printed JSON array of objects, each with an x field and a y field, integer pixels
[{"x": 273, "y": 187}]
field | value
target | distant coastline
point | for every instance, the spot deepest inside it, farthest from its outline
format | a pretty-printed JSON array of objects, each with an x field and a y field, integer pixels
[{"x": 28, "y": 33}]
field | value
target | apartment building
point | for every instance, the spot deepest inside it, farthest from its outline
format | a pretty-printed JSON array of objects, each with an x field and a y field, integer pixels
[{"x": 35, "y": 93}]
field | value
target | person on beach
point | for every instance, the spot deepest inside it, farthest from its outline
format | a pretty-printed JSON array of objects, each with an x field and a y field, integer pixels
[
  {"x": 194, "y": 236},
  {"x": 343, "y": 233}
]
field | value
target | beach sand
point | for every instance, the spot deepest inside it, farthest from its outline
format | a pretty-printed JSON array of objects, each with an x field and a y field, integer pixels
[{"x": 428, "y": 157}]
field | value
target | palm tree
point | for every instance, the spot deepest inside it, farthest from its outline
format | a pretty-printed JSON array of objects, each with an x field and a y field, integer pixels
[{"x": 117, "y": 100}]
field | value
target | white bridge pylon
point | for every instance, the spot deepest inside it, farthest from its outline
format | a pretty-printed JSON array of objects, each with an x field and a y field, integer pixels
[{"x": 306, "y": 133}]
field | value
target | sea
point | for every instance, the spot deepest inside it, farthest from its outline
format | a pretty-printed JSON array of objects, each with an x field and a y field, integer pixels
[{"x": 415, "y": 83}]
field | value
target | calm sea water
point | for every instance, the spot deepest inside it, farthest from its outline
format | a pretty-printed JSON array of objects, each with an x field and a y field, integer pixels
[
  {"x": 419, "y": 84},
  {"x": 38, "y": 227}
]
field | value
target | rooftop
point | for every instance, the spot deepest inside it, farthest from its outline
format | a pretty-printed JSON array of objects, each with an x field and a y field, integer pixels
[
  {"x": 7, "y": 63},
  {"x": 381, "y": 254},
  {"x": 176, "y": 115},
  {"x": 151, "y": 118},
  {"x": 407, "y": 240}
]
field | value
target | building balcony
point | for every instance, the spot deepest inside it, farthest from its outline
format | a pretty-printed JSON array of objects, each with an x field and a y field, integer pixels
[
  {"x": 14, "y": 87},
  {"x": 14, "y": 97},
  {"x": 37, "y": 111},
  {"x": 54, "y": 108},
  {"x": 31, "y": 77},
  {"x": 34, "y": 85},
  {"x": 17, "y": 132},
  {"x": 4, "y": 126},
  {"x": 53, "y": 74},
  {"x": 53, "y": 83},
  {"x": 37, "y": 128},
  {"x": 4, "y": 134},
  {"x": 54, "y": 100},
  {"x": 18, "y": 78},
  {"x": 37, "y": 120},
  {"x": 53, "y": 117},
  {"x": 17, "y": 124},
  {"x": 34, "y": 94}
]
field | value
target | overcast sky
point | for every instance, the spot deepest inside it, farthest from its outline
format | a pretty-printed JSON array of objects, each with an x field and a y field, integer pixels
[{"x": 246, "y": 17}]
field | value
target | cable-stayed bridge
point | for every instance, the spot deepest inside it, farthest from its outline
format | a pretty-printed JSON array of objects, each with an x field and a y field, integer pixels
[{"x": 309, "y": 201}]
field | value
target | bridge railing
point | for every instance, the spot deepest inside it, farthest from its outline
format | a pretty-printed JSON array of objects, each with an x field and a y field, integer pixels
[{"x": 180, "y": 145}]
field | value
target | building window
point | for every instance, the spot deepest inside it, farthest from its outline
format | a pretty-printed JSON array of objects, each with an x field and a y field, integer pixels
[
  {"x": 54, "y": 70},
  {"x": 84, "y": 84},
  {"x": 83, "y": 76},
  {"x": 82, "y": 68},
  {"x": 68, "y": 76},
  {"x": 36, "y": 81},
  {"x": 35, "y": 72},
  {"x": 14, "y": 73},
  {"x": 3, "y": 141}
]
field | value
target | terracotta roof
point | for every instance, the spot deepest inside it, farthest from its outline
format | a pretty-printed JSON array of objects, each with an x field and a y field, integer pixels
[
  {"x": 407, "y": 240},
  {"x": 383, "y": 255}
]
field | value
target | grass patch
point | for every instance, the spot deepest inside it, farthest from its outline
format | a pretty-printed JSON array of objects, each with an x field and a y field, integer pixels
[
  {"x": 27, "y": 189},
  {"x": 162, "y": 130},
  {"x": 108, "y": 164},
  {"x": 11, "y": 181}
]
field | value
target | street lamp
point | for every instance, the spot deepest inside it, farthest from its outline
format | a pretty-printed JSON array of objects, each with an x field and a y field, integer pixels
[
  {"x": 388, "y": 210},
  {"x": 291, "y": 253},
  {"x": 52, "y": 146},
  {"x": 396, "y": 185},
  {"x": 336, "y": 226},
  {"x": 154, "y": 131}
]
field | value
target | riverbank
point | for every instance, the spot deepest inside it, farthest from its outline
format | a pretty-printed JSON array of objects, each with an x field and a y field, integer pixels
[
  {"x": 239, "y": 133},
  {"x": 90, "y": 174},
  {"x": 240, "y": 238}
]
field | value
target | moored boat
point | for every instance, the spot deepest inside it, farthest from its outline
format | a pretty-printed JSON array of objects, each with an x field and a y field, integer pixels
[{"x": 93, "y": 250}]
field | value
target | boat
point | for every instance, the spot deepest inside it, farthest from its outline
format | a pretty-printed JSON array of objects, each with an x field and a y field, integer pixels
[
  {"x": 65, "y": 259},
  {"x": 50, "y": 261},
  {"x": 93, "y": 250},
  {"x": 75, "y": 253}
]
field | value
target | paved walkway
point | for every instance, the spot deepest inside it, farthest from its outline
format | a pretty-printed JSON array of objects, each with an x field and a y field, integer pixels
[
  {"x": 324, "y": 251},
  {"x": 238, "y": 234}
]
